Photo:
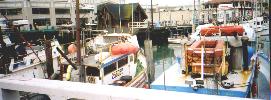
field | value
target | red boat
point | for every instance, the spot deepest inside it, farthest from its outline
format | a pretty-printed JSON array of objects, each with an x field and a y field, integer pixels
[{"x": 224, "y": 30}]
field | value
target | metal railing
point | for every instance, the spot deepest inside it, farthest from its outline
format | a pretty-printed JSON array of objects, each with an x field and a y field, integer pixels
[
  {"x": 63, "y": 90},
  {"x": 137, "y": 24}
]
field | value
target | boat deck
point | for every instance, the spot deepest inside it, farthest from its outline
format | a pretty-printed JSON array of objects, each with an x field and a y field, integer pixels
[{"x": 175, "y": 81}]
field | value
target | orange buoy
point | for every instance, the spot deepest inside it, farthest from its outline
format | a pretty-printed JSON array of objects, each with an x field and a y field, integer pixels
[{"x": 72, "y": 48}]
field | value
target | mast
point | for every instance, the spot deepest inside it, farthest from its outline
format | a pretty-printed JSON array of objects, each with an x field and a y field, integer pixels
[
  {"x": 199, "y": 10},
  {"x": 132, "y": 18},
  {"x": 193, "y": 24},
  {"x": 119, "y": 14},
  {"x": 151, "y": 16},
  {"x": 256, "y": 15},
  {"x": 81, "y": 68}
]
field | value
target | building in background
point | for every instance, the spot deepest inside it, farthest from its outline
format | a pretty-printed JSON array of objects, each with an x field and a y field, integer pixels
[
  {"x": 170, "y": 15},
  {"x": 116, "y": 17},
  {"x": 49, "y": 12},
  {"x": 235, "y": 10}
]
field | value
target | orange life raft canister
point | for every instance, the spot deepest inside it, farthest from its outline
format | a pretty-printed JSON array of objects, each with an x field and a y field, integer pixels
[{"x": 123, "y": 48}]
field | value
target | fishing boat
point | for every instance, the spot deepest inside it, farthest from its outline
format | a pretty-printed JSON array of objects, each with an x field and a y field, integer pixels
[
  {"x": 28, "y": 61},
  {"x": 211, "y": 66},
  {"x": 231, "y": 33},
  {"x": 113, "y": 59}
]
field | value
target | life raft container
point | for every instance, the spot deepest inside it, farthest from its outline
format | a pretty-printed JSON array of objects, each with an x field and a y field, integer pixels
[
  {"x": 123, "y": 48},
  {"x": 210, "y": 45},
  {"x": 224, "y": 30}
]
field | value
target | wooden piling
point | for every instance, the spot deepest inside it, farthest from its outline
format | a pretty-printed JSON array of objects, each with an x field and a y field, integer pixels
[
  {"x": 49, "y": 58},
  {"x": 149, "y": 57}
]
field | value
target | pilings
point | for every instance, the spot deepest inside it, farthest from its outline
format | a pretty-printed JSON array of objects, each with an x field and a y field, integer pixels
[
  {"x": 149, "y": 57},
  {"x": 245, "y": 52},
  {"x": 235, "y": 57},
  {"x": 49, "y": 58}
]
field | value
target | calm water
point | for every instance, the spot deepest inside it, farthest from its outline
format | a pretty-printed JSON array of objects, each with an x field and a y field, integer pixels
[{"x": 165, "y": 56}]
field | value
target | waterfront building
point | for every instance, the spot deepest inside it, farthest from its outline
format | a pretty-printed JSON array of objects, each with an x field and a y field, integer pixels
[
  {"x": 170, "y": 15},
  {"x": 237, "y": 10},
  {"x": 113, "y": 17},
  {"x": 49, "y": 12}
]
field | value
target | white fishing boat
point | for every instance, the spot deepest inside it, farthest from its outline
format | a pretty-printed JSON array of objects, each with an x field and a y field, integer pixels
[
  {"x": 31, "y": 64},
  {"x": 113, "y": 59},
  {"x": 204, "y": 68}
]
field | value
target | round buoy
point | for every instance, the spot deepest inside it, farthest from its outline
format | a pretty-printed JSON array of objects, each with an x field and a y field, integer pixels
[{"x": 72, "y": 48}]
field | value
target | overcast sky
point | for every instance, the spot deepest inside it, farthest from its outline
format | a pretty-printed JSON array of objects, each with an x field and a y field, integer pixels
[{"x": 165, "y": 2}]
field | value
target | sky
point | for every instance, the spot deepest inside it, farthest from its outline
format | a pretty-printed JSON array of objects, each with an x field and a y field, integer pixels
[{"x": 165, "y": 2}]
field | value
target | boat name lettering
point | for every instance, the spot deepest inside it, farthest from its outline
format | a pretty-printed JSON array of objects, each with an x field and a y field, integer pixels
[{"x": 117, "y": 73}]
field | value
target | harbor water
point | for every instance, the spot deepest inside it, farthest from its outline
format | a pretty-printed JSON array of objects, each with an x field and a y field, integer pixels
[{"x": 165, "y": 56}]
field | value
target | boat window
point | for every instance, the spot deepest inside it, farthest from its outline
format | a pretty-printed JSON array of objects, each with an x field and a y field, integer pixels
[
  {"x": 110, "y": 68},
  {"x": 92, "y": 71},
  {"x": 122, "y": 62},
  {"x": 258, "y": 23}
]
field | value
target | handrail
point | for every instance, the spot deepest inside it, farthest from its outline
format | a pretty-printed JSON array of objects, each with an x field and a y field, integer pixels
[
  {"x": 137, "y": 25},
  {"x": 63, "y": 90}
]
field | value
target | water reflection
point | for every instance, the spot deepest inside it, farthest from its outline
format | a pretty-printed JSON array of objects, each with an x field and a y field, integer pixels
[{"x": 165, "y": 56}]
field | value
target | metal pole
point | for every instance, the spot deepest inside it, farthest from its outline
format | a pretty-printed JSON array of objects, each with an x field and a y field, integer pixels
[
  {"x": 151, "y": 16},
  {"x": 202, "y": 62},
  {"x": 132, "y": 18},
  {"x": 199, "y": 10},
  {"x": 119, "y": 14},
  {"x": 193, "y": 24},
  {"x": 257, "y": 40},
  {"x": 78, "y": 44},
  {"x": 164, "y": 69}
]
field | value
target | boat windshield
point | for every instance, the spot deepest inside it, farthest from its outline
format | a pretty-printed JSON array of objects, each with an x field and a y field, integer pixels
[{"x": 110, "y": 68}]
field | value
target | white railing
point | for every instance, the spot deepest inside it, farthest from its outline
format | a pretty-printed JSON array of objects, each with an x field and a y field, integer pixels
[
  {"x": 63, "y": 90},
  {"x": 138, "y": 25}
]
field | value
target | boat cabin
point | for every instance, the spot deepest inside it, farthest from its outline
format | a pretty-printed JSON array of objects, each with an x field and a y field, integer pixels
[{"x": 108, "y": 70}]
